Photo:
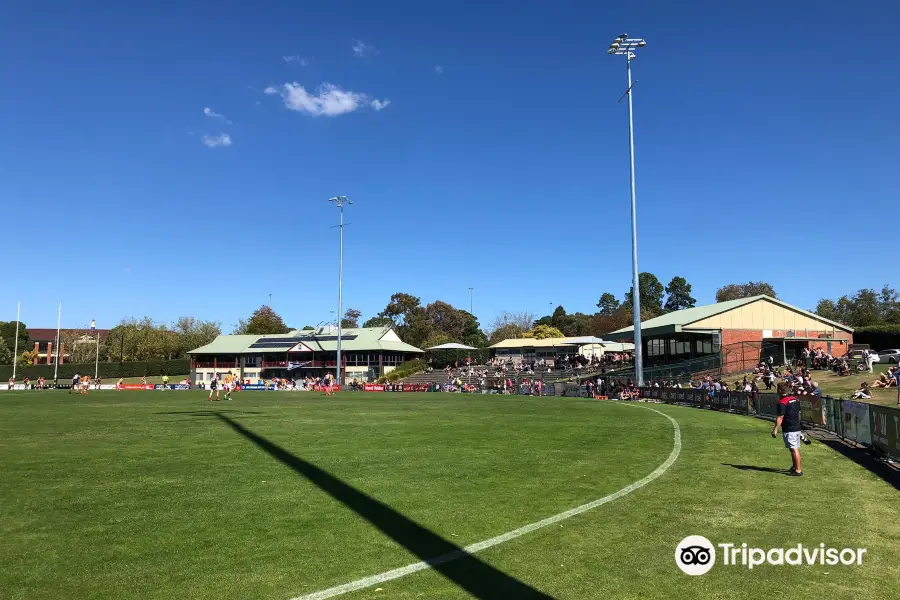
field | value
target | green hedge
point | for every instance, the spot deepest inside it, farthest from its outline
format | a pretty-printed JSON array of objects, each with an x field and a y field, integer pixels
[
  {"x": 410, "y": 367},
  {"x": 107, "y": 370}
]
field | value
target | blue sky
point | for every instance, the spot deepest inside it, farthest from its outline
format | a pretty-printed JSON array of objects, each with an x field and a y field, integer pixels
[{"x": 498, "y": 158}]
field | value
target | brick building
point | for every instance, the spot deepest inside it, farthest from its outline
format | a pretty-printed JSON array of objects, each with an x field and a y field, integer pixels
[
  {"x": 44, "y": 341},
  {"x": 737, "y": 334}
]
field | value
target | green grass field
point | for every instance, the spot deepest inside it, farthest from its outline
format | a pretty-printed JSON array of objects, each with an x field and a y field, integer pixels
[{"x": 161, "y": 495}]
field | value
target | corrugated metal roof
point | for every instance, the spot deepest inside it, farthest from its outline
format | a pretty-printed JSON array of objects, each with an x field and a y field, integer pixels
[
  {"x": 681, "y": 318},
  {"x": 547, "y": 342},
  {"x": 366, "y": 338}
]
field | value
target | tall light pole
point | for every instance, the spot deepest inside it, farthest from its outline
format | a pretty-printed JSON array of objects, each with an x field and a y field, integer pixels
[
  {"x": 470, "y": 300},
  {"x": 340, "y": 201},
  {"x": 625, "y": 46}
]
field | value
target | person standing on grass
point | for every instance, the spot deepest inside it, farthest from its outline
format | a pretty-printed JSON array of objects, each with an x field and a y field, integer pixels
[
  {"x": 75, "y": 380},
  {"x": 214, "y": 387},
  {"x": 789, "y": 421}
]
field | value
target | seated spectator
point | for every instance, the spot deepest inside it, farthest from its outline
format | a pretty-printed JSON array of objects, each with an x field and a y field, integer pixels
[{"x": 863, "y": 393}]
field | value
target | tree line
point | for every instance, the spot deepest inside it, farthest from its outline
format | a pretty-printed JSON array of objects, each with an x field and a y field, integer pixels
[{"x": 420, "y": 325}]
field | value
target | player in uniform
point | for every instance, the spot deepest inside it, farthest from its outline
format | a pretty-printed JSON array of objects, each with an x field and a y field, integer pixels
[
  {"x": 329, "y": 381},
  {"x": 119, "y": 384},
  {"x": 76, "y": 379},
  {"x": 214, "y": 387},
  {"x": 12, "y": 383},
  {"x": 229, "y": 385}
]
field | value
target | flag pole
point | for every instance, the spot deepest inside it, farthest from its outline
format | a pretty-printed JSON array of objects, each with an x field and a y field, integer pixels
[
  {"x": 16, "y": 345},
  {"x": 56, "y": 368}
]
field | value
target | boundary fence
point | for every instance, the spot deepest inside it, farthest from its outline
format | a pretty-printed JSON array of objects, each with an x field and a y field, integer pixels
[{"x": 871, "y": 425}]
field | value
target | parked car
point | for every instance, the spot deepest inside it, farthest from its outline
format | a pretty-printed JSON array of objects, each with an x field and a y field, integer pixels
[
  {"x": 855, "y": 358},
  {"x": 891, "y": 356}
]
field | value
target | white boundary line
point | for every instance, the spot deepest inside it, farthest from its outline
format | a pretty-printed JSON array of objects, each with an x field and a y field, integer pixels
[{"x": 494, "y": 541}]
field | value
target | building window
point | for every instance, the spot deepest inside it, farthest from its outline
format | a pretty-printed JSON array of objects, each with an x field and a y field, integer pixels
[
  {"x": 656, "y": 347},
  {"x": 251, "y": 361}
]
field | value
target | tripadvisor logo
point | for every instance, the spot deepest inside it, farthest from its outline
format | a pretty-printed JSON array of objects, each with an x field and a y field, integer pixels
[{"x": 696, "y": 555}]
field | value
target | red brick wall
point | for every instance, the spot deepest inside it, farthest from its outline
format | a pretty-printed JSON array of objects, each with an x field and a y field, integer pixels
[
  {"x": 740, "y": 349},
  {"x": 741, "y": 346}
]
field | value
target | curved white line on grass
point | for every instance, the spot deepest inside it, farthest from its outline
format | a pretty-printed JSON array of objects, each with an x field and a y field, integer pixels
[{"x": 494, "y": 541}]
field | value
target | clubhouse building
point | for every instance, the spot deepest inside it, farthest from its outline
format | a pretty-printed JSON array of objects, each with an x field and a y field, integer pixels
[
  {"x": 737, "y": 334},
  {"x": 366, "y": 354}
]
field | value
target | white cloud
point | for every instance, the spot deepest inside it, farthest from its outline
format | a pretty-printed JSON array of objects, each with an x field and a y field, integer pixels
[
  {"x": 379, "y": 104},
  {"x": 297, "y": 59},
  {"x": 214, "y": 141},
  {"x": 438, "y": 69},
  {"x": 270, "y": 90},
  {"x": 128, "y": 269},
  {"x": 361, "y": 49},
  {"x": 211, "y": 113}
]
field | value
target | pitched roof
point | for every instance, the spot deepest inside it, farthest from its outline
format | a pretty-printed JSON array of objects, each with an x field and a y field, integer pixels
[
  {"x": 44, "y": 335},
  {"x": 547, "y": 342},
  {"x": 352, "y": 340},
  {"x": 681, "y": 318}
]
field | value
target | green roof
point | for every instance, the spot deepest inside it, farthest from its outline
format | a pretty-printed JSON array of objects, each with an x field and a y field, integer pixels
[
  {"x": 674, "y": 321},
  {"x": 365, "y": 338}
]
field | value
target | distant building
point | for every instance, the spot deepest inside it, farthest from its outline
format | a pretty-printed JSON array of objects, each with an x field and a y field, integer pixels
[
  {"x": 44, "y": 340},
  {"x": 552, "y": 349},
  {"x": 366, "y": 353},
  {"x": 738, "y": 333}
]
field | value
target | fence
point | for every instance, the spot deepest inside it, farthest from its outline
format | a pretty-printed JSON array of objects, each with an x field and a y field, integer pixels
[
  {"x": 872, "y": 425},
  {"x": 109, "y": 370}
]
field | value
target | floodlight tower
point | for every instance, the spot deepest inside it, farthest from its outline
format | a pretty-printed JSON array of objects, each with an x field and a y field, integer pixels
[
  {"x": 625, "y": 46},
  {"x": 340, "y": 201}
]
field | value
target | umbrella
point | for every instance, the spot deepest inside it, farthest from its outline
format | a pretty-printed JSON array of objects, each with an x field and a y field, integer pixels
[{"x": 452, "y": 346}]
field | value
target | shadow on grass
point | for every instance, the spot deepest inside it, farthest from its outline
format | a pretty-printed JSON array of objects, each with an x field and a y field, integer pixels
[
  {"x": 209, "y": 413},
  {"x": 755, "y": 468},
  {"x": 863, "y": 459},
  {"x": 478, "y": 578}
]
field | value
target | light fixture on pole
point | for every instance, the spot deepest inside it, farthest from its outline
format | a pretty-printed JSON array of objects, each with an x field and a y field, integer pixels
[
  {"x": 340, "y": 201},
  {"x": 625, "y": 46}
]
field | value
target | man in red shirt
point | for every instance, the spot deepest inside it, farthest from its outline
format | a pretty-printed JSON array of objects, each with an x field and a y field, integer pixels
[{"x": 789, "y": 421}]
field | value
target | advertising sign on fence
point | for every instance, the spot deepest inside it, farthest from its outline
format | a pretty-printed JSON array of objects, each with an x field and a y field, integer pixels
[
  {"x": 885, "y": 424},
  {"x": 254, "y": 386},
  {"x": 768, "y": 404},
  {"x": 856, "y": 421},
  {"x": 136, "y": 386},
  {"x": 812, "y": 410}
]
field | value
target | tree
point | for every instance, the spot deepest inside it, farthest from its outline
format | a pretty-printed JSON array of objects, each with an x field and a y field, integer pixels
[
  {"x": 401, "y": 307},
  {"x": 376, "y": 322},
  {"x": 6, "y": 357},
  {"x": 308, "y": 328},
  {"x": 679, "y": 295},
  {"x": 515, "y": 322},
  {"x": 865, "y": 308},
  {"x": 194, "y": 333},
  {"x": 607, "y": 304},
  {"x": 263, "y": 321},
  {"x": 79, "y": 345},
  {"x": 505, "y": 332},
  {"x": 652, "y": 292},
  {"x": 8, "y": 335},
  {"x": 542, "y": 332},
  {"x": 733, "y": 291},
  {"x": 351, "y": 318},
  {"x": 601, "y": 323},
  {"x": 26, "y": 358}
]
